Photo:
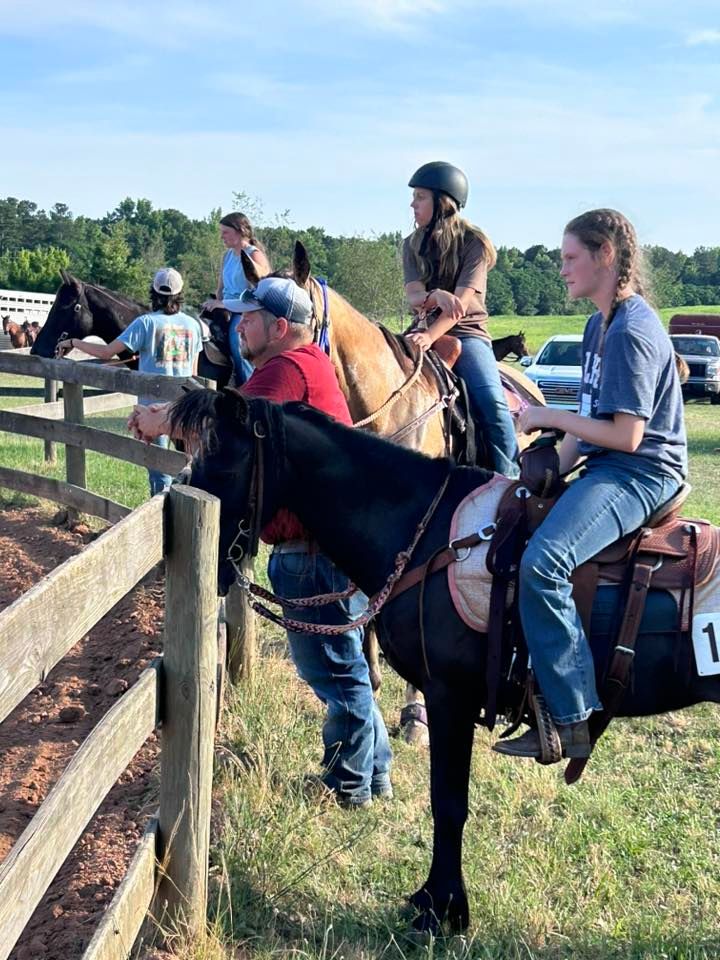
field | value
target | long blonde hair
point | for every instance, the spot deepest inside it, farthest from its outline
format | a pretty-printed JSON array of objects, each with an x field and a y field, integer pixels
[{"x": 437, "y": 248}]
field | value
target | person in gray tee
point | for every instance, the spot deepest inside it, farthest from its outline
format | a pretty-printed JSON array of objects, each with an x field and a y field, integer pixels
[{"x": 630, "y": 427}]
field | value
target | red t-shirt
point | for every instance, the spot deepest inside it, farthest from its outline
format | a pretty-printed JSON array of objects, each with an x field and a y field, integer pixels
[{"x": 304, "y": 374}]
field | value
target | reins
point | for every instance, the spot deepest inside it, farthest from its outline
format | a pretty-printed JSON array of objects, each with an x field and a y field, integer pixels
[
  {"x": 253, "y": 590},
  {"x": 321, "y": 337}
]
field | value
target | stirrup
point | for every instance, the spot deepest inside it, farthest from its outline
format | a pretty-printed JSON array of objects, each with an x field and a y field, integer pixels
[{"x": 550, "y": 746}]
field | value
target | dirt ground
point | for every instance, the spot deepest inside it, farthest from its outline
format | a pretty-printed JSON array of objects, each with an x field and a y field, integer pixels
[{"x": 40, "y": 737}]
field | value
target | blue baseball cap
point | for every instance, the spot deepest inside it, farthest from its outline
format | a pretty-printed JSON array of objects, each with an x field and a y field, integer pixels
[{"x": 282, "y": 297}]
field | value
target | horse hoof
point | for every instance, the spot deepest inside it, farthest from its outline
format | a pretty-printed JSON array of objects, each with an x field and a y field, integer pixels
[
  {"x": 413, "y": 725},
  {"x": 430, "y": 915}
]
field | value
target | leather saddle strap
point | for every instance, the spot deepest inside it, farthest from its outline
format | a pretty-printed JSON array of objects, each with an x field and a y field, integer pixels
[
  {"x": 616, "y": 679},
  {"x": 441, "y": 560}
]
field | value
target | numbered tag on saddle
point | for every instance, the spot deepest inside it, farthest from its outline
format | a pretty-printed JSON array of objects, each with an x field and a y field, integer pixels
[
  {"x": 540, "y": 467},
  {"x": 706, "y": 643}
]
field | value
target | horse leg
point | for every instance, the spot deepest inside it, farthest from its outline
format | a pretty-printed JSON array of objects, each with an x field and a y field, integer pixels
[
  {"x": 371, "y": 651},
  {"x": 413, "y": 718},
  {"x": 443, "y": 897}
]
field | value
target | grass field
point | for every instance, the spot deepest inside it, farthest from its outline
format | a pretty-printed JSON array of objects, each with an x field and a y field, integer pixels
[{"x": 624, "y": 865}]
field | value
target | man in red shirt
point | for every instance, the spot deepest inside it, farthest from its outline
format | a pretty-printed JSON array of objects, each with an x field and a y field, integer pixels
[{"x": 276, "y": 337}]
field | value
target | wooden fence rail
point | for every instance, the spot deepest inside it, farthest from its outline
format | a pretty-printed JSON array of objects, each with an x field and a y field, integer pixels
[{"x": 180, "y": 689}]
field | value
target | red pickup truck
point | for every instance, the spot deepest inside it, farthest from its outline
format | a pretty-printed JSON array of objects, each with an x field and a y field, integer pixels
[{"x": 707, "y": 323}]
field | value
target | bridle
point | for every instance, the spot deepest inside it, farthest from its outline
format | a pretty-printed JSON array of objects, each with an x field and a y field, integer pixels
[
  {"x": 321, "y": 336},
  {"x": 250, "y": 529}
]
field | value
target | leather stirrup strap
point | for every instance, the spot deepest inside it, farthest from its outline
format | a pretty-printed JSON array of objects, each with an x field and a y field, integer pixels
[{"x": 616, "y": 679}]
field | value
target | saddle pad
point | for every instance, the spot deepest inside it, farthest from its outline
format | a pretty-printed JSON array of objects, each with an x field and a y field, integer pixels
[{"x": 469, "y": 579}]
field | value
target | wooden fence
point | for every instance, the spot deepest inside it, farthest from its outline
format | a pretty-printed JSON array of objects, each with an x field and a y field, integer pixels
[
  {"x": 168, "y": 874},
  {"x": 179, "y": 691},
  {"x": 63, "y": 422}
]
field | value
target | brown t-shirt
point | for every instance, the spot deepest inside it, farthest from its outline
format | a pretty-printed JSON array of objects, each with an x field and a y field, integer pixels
[{"x": 472, "y": 273}]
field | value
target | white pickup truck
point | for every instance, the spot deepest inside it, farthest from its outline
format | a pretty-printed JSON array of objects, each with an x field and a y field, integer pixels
[{"x": 701, "y": 352}]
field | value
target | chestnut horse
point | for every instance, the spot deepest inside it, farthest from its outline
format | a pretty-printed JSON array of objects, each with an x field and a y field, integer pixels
[
  {"x": 20, "y": 335},
  {"x": 376, "y": 381}
]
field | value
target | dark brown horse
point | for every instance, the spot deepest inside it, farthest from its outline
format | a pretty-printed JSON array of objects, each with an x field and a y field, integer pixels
[
  {"x": 513, "y": 343},
  {"x": 309, "y": 461},
  {"x": 87, "y": 309}
]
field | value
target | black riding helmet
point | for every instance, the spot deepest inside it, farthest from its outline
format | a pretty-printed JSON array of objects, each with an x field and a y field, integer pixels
[{"x": 444, "y": 177}]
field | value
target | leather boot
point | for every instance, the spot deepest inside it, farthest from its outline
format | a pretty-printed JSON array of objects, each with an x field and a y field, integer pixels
[{"x": 574, "y": 742}]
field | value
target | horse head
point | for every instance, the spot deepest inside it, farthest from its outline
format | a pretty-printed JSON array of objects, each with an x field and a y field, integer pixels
[
  {"x": 225, "y": 432},
  {"x": 521, "y": 348},
  {"x": 70, "y": 315},
  {"x": 5, "y": 322}
]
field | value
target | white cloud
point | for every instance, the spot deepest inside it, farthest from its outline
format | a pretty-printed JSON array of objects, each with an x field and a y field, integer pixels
[{"x": 697, "y": 37}]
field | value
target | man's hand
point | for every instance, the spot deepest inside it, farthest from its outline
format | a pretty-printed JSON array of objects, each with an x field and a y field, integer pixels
[
  {"x": 147, "y": 423},
  {"x": 63, "y": 347}
]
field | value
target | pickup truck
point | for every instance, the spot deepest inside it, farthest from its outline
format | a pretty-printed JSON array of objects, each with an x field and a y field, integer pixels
[{"x": 702, "y": 355}]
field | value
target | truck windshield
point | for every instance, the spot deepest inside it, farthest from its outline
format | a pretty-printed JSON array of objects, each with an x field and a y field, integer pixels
[
  {"x": 561, "y": 352},
  {"x": 696, "y": 346}
]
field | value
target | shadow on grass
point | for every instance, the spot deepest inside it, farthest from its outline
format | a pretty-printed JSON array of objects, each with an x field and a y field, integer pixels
[{"x": 267, "y": 928}]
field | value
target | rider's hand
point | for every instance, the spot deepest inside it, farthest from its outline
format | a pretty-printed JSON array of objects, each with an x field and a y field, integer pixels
[
  {"x": 213, "y": 305},
  {"x": 536, "y": 418},
  {"x": 422, "y": 338},
  {"x": 449, "y": 304}
]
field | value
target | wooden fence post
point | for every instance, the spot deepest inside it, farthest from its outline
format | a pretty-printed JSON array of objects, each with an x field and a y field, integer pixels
[
  {"x": 240, "y": 620},
  {"x": 50, "y": 397},
  {"x": 188, "y": 726},
  {"x": 74, "y": 456}
]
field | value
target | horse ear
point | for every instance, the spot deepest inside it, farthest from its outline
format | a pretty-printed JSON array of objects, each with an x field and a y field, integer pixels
[
  {"x": 249, "y": 269},
  {"x": 70, "y": 280},
  {"x": 301, "y": 264},
  {"x": 232, "y": 404}
]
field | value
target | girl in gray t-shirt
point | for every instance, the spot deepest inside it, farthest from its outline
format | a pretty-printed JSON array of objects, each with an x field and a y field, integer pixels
[{"x": 630, "y": 427}]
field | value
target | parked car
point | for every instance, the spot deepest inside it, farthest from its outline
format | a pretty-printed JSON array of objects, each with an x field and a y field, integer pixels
[
  {"x": 702, "y": 355},
  {"x": 707, "y": 324},
  {"x": 557, "y": 369}
]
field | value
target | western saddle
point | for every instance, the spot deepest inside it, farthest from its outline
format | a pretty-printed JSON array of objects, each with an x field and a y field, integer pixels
[{"x": 667, "y": 552}]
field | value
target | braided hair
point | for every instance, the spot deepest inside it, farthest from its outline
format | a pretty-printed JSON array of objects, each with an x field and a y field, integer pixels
[{"x": 597, "y": 227}]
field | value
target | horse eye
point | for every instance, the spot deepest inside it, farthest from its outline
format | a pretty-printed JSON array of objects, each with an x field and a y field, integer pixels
[{"x": 77, "y": 308}]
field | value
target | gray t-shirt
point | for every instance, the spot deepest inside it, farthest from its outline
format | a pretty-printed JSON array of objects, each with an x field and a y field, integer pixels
[{"x": 630, "y": 368}]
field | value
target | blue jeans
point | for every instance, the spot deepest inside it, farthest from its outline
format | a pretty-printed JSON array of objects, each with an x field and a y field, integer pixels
[
  {"x": 478, "y": 368},
  {"x": 159, "y": 481},
  {"x": 615, "y": 495},
  {"x": 243, "y": 368},
  {"x": 357, "y": 754}
]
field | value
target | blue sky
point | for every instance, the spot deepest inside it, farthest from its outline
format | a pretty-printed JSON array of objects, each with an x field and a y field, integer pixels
[{"x": 325, "y": 107}]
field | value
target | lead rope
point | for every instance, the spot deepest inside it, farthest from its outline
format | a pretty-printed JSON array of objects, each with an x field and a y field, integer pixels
[{"x": 376, "y": 604}]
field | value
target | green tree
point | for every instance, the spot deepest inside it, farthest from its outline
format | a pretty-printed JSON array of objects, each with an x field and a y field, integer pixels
[
  {"x": 113, "y": 264},
  {"x": 369, "y": 274},
  {"x": 500, "y": 298},
  {"x": 35, "y": 270}
]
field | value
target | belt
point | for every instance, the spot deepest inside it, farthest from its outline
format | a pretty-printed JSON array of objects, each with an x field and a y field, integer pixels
[{"x": 295, "y": 546}]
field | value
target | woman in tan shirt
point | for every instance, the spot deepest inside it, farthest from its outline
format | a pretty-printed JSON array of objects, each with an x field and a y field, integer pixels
[{"x": 445, "y": 265}]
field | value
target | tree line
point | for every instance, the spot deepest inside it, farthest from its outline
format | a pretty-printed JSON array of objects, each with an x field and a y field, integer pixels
[{"x": 122, "y": 249}]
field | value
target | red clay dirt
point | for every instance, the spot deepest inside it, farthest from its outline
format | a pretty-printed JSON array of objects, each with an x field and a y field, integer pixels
[{"x": 39, "y": 738}]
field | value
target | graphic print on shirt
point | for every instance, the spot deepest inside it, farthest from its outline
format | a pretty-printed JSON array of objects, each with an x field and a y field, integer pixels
[
  {"x": 174, "y": 346},
  {"x": 590, "y": 383}
]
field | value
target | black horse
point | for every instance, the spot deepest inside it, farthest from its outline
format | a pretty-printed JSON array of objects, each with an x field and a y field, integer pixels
[
  {"x": 362, "y": 498},
  {"x": 513, "y": 343},
  {"x": 87, "y": 309}
]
